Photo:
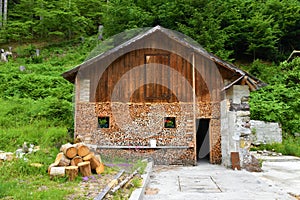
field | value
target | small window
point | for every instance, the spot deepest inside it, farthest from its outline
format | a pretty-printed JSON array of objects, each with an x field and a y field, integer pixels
[
  {"x": 170, "y": 122},
  {"x": 103, "y": 122}
]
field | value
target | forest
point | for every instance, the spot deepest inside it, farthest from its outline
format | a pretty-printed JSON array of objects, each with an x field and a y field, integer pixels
[{"x": 231, "y": 29}]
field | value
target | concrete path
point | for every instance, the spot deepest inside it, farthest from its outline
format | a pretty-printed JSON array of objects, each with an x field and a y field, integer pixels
[
  {"x": 207, "y": 181},
  {"x": 285, "y": 174}
]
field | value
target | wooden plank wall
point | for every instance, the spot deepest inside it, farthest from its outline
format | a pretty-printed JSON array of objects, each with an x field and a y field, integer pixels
[{"x": 131, "y": 74}]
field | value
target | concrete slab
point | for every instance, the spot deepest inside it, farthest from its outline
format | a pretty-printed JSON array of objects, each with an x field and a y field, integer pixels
[
  {"x": 230, "y": 184},
  {"x": 202, "y": 184},
  {"x": 285, "y": 174}
]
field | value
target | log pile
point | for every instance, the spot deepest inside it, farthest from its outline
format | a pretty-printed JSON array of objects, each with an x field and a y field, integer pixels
[{"x": 75, "y": 158}]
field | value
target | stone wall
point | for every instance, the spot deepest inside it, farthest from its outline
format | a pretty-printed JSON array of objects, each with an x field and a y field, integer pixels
[
  {"x": 265, "y": 132},
  {"x": 135, "y": 124},
  {"x": 159, "y": 156},
  {"x": 235, "y": 122}
]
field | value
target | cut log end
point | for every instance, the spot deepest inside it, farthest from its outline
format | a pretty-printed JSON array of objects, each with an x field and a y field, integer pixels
[
  {"x": 76, "y": 160},
  {"x": 69, "y": 150},
  {"x": 82, "y": 149}
]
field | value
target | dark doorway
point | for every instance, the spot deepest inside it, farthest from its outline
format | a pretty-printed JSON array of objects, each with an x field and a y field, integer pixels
[{"x": 202, "y": 138}]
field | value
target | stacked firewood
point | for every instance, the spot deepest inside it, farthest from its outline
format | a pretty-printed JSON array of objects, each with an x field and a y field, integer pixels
[{"x": 74, "y": 158}]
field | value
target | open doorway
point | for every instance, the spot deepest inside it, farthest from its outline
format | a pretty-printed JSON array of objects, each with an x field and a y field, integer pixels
[{"x": 202, "y": 138}]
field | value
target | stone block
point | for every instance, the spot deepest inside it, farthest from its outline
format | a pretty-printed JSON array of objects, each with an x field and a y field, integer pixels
[{"x": 265, "y": 132}]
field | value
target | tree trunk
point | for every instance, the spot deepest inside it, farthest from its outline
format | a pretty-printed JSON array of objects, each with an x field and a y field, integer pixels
[
  {"x": 5, "y": 13},
  {"x": 1, "y": 11},
  {"x": 85, "y": 168},
  {"x": 72, "y": 172}
]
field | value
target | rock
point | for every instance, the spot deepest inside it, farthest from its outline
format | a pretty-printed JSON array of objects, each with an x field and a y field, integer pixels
[
  {"x": 253, "y": 165},
  {"x": 2, "y": 156},
  {"x": 20, "y": 153},
  {"x": 260, "y": 152},
  {"x": 6, "y": 156},
  {"x": 25, "y": 148},
  {"x": 9, "y": 156}
]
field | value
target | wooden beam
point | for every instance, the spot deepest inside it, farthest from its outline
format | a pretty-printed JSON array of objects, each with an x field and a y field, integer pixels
[
  {"x": 109, "y": 186},
  {"x": 194, "y": 109},
  {"x": 128, "y": 178}
]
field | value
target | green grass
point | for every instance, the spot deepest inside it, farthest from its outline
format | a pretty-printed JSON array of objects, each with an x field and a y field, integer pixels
[
  {"x": 289, "y": 146},
  {"x": 38, "y": 133}
]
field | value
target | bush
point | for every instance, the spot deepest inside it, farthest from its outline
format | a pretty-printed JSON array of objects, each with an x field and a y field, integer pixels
[{"x": 279, "y": 101}]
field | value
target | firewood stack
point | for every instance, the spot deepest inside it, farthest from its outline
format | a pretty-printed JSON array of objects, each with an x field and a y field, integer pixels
[{"x": 75, "y": 158}]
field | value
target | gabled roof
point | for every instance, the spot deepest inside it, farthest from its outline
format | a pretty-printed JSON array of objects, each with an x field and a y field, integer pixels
[{"x": 127, "y": 38}]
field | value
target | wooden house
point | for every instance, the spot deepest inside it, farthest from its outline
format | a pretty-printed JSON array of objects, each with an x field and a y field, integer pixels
[{"x": 157, "y": 93}]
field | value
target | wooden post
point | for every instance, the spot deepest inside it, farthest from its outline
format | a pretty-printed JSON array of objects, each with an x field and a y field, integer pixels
[
  {"x": 85, "y": 168},
  {"x": 72, "y": 172},
  {"x": 194, "y": 110}
]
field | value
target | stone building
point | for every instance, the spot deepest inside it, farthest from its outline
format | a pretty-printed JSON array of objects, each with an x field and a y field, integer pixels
[{"x": 157, "y": 93}]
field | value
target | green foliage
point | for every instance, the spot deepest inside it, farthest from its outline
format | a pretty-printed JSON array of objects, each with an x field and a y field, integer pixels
[
  {"x": 289, "y": 146},
  {"x": 279, "y": 101},
  {"x": 231, "y": 29}
]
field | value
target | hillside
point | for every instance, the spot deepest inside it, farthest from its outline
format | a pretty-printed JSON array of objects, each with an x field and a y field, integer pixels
[{"x": 34, "y": 95}]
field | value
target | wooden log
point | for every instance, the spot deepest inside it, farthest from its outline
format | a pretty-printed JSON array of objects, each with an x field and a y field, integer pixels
[
  {"x": 89, "y": 156},
  {"x": 71, "y": 172},
  {"x": 251, "y": 87},
  {"x": 94, "y": 161},
  {"x": 122, "y": 183},
  {"x": 50, "y": 166},
  {"x": 85, "y": 168},
  {"x": 82, "y": 149},
  {"x": 57, "y": 171},
  {"x": 69, "y": 150},
  {"x": 76, "y": 160},
  {"x": 61, "y": 160},
  {"x": 99, "y": 169},
  {"x": 109, "y": 186}
]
